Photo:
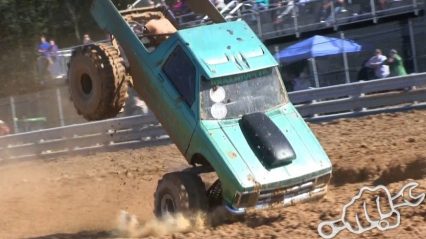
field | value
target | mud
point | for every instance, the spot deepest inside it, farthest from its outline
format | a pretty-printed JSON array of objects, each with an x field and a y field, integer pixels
[{"x": 81, "y": 197}]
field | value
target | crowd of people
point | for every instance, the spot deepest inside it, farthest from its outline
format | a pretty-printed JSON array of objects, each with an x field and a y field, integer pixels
[
  {"x": 323, "y": 10},
  {"x": 380, "y": 66},
  {"x": 48, "y": 65},
  {"x": 47, "y": 60}
]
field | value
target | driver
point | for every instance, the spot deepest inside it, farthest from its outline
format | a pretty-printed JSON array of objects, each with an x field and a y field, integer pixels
[{"x": 4, "y": 129}]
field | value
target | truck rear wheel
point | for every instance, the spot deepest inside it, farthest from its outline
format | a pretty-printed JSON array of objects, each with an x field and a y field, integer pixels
[
  {"x": 97, "y": 81},
  {"x": 180, "y": 192}
]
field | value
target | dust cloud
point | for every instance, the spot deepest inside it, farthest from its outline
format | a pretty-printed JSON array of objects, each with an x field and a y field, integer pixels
[{"x": 130, "y": 226}]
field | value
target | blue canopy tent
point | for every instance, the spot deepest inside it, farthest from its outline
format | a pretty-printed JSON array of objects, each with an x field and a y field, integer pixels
[{"x": 317, "y": 46}]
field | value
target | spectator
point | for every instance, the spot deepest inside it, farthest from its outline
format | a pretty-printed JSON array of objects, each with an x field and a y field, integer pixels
[
  {"x": 378, "y": 63},
  {"x": 278, "y": 14},
  {"x": 53, "y": 50},
  {"x": 134, "y": 105},
  {"x": 365, "y": 73},
  {"x": 86, "y": 39},
  {"x": 302, "y": 82},
  {"x": 288, "y": 81},
  {"x": 261, "y": 5},
  {"x": 43, "y": 47},
  {"x": 54, "y": 67},
  {"x": 382, "y": 4},
  {"x": 219, "y": 4},
  {"x": 4, "y": 129},
  {"x": 178, "y": 7},
  {"x": 330, "y": 8},
  {"x": 364, "y": 7},
  {"x": 396, "y": 64},
  {"x": 43, "y": 59}
]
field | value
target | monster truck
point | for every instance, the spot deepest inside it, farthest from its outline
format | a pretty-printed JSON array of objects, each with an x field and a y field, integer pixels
[{"x": 217, "y": 91}]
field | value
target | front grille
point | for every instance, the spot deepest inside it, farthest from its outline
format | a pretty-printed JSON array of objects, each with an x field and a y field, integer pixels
[
  {"x": 278, "y": 195},
  {"x": 284, "y": 196}
]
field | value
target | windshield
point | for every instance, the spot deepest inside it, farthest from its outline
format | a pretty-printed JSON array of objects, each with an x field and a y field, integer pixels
[{"x": 234, "y": 96}]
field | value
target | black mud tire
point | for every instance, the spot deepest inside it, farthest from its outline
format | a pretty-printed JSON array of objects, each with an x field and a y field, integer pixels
[
  {"x": 214, "y": 194},
  {"x": 97, "y": 81},
  {"x": 180, "y": 192},
  {"x": 218, "y": 213}
]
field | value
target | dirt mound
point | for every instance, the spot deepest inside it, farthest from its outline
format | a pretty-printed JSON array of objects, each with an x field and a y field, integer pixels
[{"x": 80, "y": 197}]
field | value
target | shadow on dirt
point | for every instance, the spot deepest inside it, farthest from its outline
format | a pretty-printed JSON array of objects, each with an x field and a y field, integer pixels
[
  {"x": 256, "y": 221},
  {"x": 80, "y": 235},
  {"x": 413, "y": 170},
  {"x": 344, "y": 176},
  {"x": 398, "y": 172}
]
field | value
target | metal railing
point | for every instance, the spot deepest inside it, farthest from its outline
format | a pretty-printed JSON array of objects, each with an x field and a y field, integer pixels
[
  {"x": 320, "y": 104},
  {"x": 107, "y": 135},
  {"x": 361, "y": 98},
  {"x": 291, "y": 19},
  {"x": 297, "y": 17},
  {"x": 57, "y": 69}
]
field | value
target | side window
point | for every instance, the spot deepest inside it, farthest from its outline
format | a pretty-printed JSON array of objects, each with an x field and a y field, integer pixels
[{"x": 181, "y": 72}]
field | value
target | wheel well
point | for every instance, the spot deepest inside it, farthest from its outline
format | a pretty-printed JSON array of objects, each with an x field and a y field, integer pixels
[
  {"x": 205, "y": 170},
  {"x": 200, "y": 159}
]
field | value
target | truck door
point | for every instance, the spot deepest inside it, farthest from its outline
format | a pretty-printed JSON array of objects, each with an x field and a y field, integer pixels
[{"x": 180, "y": 72}]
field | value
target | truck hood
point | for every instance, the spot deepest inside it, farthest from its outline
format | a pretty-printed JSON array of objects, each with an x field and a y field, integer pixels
[
  {"x": 311, "y": 160},
  {"x": 226, "y": 49}
]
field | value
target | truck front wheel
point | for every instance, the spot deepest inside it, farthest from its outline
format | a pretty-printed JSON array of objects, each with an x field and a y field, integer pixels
[{"x": 182, "y": 192}]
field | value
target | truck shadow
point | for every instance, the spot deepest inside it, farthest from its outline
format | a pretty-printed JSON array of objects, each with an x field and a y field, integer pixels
[{"x": 79, "y": 235}]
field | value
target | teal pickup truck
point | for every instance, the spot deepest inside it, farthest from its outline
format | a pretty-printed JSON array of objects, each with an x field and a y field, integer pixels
[{"x": 217, "y": 91}]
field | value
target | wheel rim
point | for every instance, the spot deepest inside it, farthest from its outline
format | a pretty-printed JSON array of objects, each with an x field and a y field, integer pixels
[
  {"x": 86, "y": 84},
  {"x": 167, "y": 204}
]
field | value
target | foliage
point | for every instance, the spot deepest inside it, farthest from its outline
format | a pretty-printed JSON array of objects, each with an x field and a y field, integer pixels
[{"x": 22, "y": 22}]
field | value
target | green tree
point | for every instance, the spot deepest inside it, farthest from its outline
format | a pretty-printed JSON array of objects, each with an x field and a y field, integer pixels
[{"x": 22, "y": 22}]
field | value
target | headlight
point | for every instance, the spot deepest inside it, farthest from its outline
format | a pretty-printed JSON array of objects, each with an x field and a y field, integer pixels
[{"x": 322, "y": 180}]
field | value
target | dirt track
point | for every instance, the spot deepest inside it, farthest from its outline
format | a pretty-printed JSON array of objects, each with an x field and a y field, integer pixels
[{"x": 80, "y": 197}]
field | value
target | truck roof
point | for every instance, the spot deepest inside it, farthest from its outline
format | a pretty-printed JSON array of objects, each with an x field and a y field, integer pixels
[{"x": 227, "y": 48}]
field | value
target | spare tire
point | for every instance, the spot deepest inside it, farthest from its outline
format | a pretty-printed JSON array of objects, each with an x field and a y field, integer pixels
[{"x": 97, "y": 81}]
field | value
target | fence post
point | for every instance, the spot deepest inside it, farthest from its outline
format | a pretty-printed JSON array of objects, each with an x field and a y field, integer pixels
[
  {"x": 373, "y": 10},
  {"x": 259, "y": 25},
  {"x": 416, "y": 9},
  {"x": 333, "y": 16},
  {"x": 315, "y": 72},
  {"x": 345, "y": 60},
  {"x": 60, "y": 108},
  {"x": 13, "y": 110},
  {"x": 413, "y": 45},
  {"x": 296, "y": 25}
]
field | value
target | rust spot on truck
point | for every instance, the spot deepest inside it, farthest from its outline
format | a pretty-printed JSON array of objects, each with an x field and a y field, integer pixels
[
  {"x": 257, "y": 185},
  {"x": 232, "y": 155}
]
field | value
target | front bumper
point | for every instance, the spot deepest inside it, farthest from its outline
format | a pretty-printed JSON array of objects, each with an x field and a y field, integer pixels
[{"x": 280, "y": 197}]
